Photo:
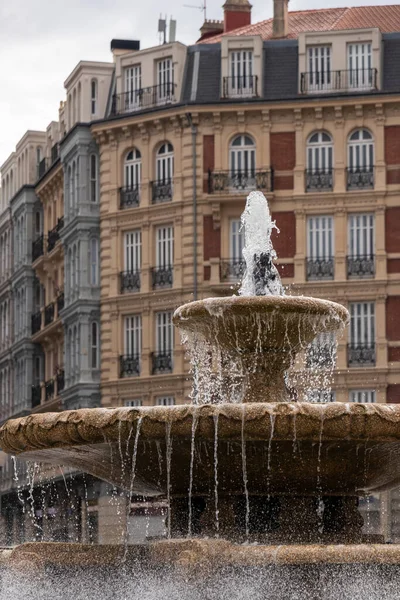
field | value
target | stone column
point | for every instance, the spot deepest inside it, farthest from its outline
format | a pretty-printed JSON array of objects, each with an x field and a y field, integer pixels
[
  {"x": 380, "y": 238},
  {"x": 301, "y": 246},
  {"x": 380, "y": 328},
  {"x": 340, "y": 244}
]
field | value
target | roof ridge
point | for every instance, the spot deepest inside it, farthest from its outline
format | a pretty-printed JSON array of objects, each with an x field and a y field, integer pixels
[{"x": 346, "y": 11}]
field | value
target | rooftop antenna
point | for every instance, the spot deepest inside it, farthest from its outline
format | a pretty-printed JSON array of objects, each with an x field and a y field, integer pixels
[
  {"x": 162, "y": 30},
  {"x": 172, "y": 30},
  {"x": 203, "y": 8}
]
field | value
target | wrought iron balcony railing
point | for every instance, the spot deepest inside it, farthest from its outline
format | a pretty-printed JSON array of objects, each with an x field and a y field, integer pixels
[
  {"x": 162, "y": 277},
  {"x": 321, "y": 356},
  {"x": 36, "y": 321},
  {"x": 161, "y": 191},
  {"x": 352, "y": 80},
  {"x": 360, "y": 178},
  {"x": 130, "y": 281},
  {"x": 60, "y": 377},
  {"x": 36, "y": 395},
  {"x": 361, "y": 354},
  {"x": 361, "y": 266},
  {"x": 54, "y": 234},
  {"x": 38, "y": 248},
  {"x": 232, "y": 269},
  {"x": 161, "y": 362},
  {"x": 129, "y": 365},
  {"x": 320, "y": 268},
  {"x": 319, "y": 180},
  {"x": 129, "y": 197},
  {"x": 144, "y": 98},
  {"x": 49, "y": 389},
  {"x": 42, "y": 167},
  {"x": 49, "y": 314},
  {"x": 60, "y": 302},
  {"x": 240, "y": 86},
  {"x": 55, "y": 152},
  {"x": 246, "y": 180}
]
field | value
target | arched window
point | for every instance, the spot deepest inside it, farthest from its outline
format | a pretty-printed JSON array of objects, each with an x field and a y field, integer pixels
[
  {"x": 74, "y": 107},
  {"x": 37, "y": 223},
  {"x": 76, "y": 349},
  {"x": 94, "y": 261},
  {"x": 73, "y": 269},
  {"x": 165, "y": 163},
  {"x": 320, "y": 153},
  {"x": 361, "y": 151},
  {"x": 242, "y": 162},
  {"x": 93, "y": 178},
  {"x": 69, "y": 111},
  {"x": 133, "y": 169},
  {"x": 95, "y": 345},
  {"x": 72, "y": 188},
  {"x": 79, "y": 103},
  {"x": 76, "y": 183},
  {"x": 74, "y": 354},
  {"x": 93, "y": 96}
]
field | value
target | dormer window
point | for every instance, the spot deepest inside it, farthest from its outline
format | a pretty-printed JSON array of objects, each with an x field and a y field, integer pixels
[
  {"x": 133, "y": 88},
  {"x": 241, "y": 82},
  {"x": 319, "y": 74},
  {"x": 165, "y": 80},
  {"x": 359, "y": 61}
]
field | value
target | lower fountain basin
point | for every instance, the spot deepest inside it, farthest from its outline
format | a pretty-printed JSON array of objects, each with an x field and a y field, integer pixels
[{"x": 283, "y": 449}]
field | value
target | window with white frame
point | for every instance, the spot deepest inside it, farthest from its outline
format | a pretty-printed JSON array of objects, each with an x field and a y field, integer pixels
[
  {"x": 359, "y": 62},
  {"x": 93, "y": 178},
  {"x": 133, "y": 335},
  {"x": 93, "y": 96},
  {"x": 320, "y": 153},
  {"x": 133, "y": 251},
  {"x": 319, "y": 75},
  {"x": 366, "y": 396},
  {"x": 165, "y": 401},
  {"x": 133, "y": 169},
  {"x": 133, "y": 87},
  {"x": 134, "y": 403},
  {"x": 320, "y": 237},
  {"x": 94, "y": 261},
  {"x": 242, "y": 157},
  {"x": 165, "y": 79},
  {"x": 361, "y": 240},
  {"x": 361, "y": 151},
  {"x": 165, "y": 163},
  {"x": 164, "y": 332},
  {"x": 164, "y": 247},
  {"x": 95, "y": 345},
  {"x": 362, "y": 324},
  {"x": 241, "y": 81},
  {"x": 236, "y": 239}
]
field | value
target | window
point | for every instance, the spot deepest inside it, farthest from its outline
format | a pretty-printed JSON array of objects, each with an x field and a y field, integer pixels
[
  {"x": 361, "y": 236},
  {"x": 362, "y": 334},
  {"x": 322, "y": 352},
  {"x": 322, "y": 396},
  {"x": 242, "y": 158},
  {"x": 95, "y": 345},
  {"x": 236, "y": 240},
  {"x": 133, "y": 169},
  {"x": 133, "y": 335},
  {"x": 165, "y": 79},
  {"x": 367, "y": 396},
  {"x": 320, "y": 252},
  {"x": 134, "y": 403},
  {"x": 320, "y": 153},
  {"x": 133, "y": 251},
  {"x": 359, "y": 61},
  {"x": 164, "y": 247},
  {"x": 133, "y": 87},
  {"x": 361, "y": 151},
  {"x": 319, "y": 68},
  {"x": 93, "y": 178},
  {"x": 165, "y": 163},
  {"x": 165, "y": 401},
  {"x": 38, "y": 155},
  {"x": 37, "y": 223},
  {"x": 93, "y": 96},
  {"x": 164, "y": 332},
  {"x": 72, "y": 188},
  {"x": 241, "y": 81},
  {"x": 94, "y": 261}
]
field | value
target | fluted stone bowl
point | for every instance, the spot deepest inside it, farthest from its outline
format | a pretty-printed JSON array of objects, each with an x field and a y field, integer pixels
[{"x": 263, "y": 334}]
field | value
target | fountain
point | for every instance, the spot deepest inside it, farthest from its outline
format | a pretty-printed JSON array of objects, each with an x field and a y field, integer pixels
[{"x": 262, "y": 489}]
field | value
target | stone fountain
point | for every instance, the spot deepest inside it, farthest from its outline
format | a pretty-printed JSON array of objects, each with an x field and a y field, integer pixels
[{"x": 257, "y": 481}]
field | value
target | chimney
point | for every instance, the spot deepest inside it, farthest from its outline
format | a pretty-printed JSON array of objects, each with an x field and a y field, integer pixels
[
  {"x": 237, "y": 13},
  {"x": 280, "y": 24},
  {"x": 210, "y": 28}
]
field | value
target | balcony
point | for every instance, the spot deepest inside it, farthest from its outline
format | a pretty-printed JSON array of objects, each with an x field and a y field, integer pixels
[
  {"x": 38, "y": 248},
  {"x": 161, "y": 362},
  {"x": 46, "y": 163},
  {"x": 325, "y": 82},
  {"x": 49, "y": 314},
  {"x": 241, "y": 86},
  {"x": 360, "y": 178},
  {"x": 321, "y": 356},
  {"x": 361, "y": 355},
  {"x": 49, "y": 389},
  {"x": 55, "y": 153},
  {"x": 54, "y": 235},
  {"x": 319, "y": 180},
  {"x": 162, "y": 277},
  {"x": 60, "y": 302},
  {"x": 361, "y": 267},
  {"x": 129, "y": 281},
  {"x": 232, "y": 269},
  {"x": 161, "y": 191},
  {"x": 144, "y": 98},
  {"x": 36, "y": 321},
  {"x": 60, "y": 378},
  {"x": 129, "y": 197},
  {"x": 320, "y": 268},
  {"x": 36, "y": 395},
  {"x": 129, "y": 365},
  {"x": 240, "y": 181}
]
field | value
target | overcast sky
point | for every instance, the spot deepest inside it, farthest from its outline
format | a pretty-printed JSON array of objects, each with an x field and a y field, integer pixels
[{"x": 42, "y": 41}]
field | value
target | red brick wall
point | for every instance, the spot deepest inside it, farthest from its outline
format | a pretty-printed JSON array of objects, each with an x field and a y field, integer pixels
[
  {"x": 393, "y": 318},
  {"x": 234, "y": 19},
  {"x": 285, "y": 241},
  {"x": 392, "y": 227},
  {"x": 392, "y": 153},
  {"x": 393, "y": 394},
  {"x": 286, "y": 270},
  {"x": 394, "y": 354},
  {"x": 211, "y": 239},
  {"x": 283, "y": 158},
  {"x": 207, "y": 273},
  {"x": 393, "y": 265},
  {"x": 208, "y": 158}
]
